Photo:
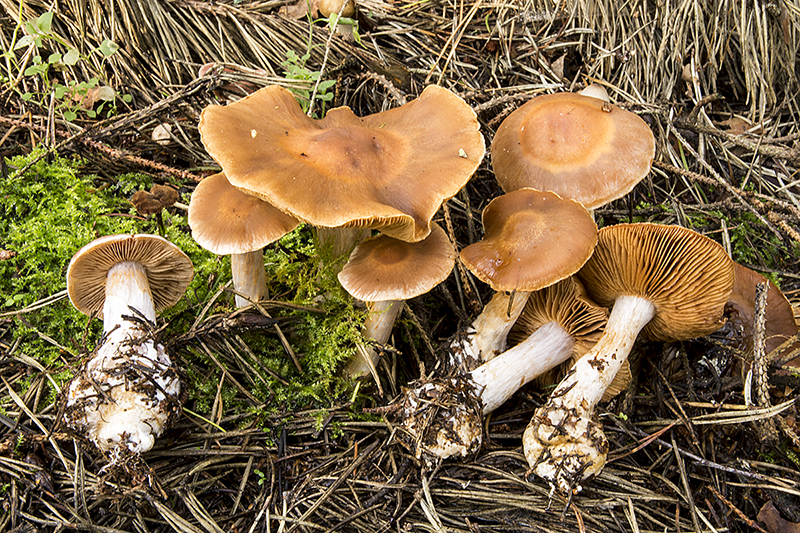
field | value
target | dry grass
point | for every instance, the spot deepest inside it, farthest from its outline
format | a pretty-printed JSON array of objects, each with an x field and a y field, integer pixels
[{"x": 716, "y": 81}]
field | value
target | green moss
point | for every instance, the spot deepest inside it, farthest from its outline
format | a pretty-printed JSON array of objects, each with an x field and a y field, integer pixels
[
  {"x": 46, "y": 215},
  {"x": 51, "y": 211}
]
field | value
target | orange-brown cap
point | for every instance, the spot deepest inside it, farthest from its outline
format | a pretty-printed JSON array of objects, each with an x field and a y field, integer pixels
[
  {"x": 383, "y": 268},
  {"x": 688, "y": 277},
  {"x": 169, "y": 270},
  {"x": 578, "y": 146},
  {"x": 780, "y": 323},
  {"x": 391, "y": 170},
  {"x": 532, "y": 239},
  {"x": 224, "y": 220}
]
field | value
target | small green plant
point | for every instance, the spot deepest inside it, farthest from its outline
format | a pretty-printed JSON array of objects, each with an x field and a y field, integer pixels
[
  {"x": 70, "y": 96},
  {"x": 262, "y": 478},
  {"x": 295, "y": 69}
]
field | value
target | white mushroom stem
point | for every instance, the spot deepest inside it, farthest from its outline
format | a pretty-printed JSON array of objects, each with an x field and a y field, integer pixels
[
  {"x": 128, "y": 390},
  {"x": 500, "y": 378},
  {"x": 249, "y": 277},
  {"x": 563, "y": 443},
  {"x": 341, "y": 240},
  {"x": 377, "y": 327},
  {"x": 126, "y": 287},
  {"x": 486, "y": 336}
]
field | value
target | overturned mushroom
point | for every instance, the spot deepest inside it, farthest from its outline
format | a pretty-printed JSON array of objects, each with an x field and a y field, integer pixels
[
  {"x": 128, "y": 393},
  {"x": 666, "y": 281},
  {"x": 384, "y": 272},
  {"x": 224, "y": 220},
  {"x": 391, "y": 170},
  {"x": 562, "y": 323}
]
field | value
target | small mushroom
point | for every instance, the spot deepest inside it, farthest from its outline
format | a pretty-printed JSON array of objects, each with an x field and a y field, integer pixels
[
  {"x": 562, "y": 322},
  {"x": 390, "y": 170},
  {"x": 532, "y": 239},
  {"x": 384, "y": 272},
  {"x": 226, "y": 221},
  {"x": 578, "y": 146},
  {"x": 668, "y": 282},
  {"x": 128, "y": 393}
]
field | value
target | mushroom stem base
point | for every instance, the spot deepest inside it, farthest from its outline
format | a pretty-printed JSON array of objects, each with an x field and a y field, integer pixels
[{"x": 564, "y": 444}]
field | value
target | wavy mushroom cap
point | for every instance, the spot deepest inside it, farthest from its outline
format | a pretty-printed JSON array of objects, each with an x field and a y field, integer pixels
[
  {"x": 390, "y": 170},
  {"x": 168, "y": 269},
  {"x": 780, "y": 323},
  {"x": 384, "y": 268},
  {"x": 580, "y": 147},
  {"x": 532, "y": 239},
  {"x": 688, "y": 277},
  {"x": 224, "y": 220}
]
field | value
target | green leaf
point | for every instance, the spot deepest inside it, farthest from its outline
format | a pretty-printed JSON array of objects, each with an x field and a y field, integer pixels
[
  {"x": 35, "y": 70},
  {"x": 106, "y": 93},
  {"x": 54, "y": 58},
  {"x": 127, "y": 98},
  {"x": 25, "y": 40},
  {"x": 59, "y": 91},
  {"x": 70, "y": 115},
  {"x": 91, "y": 113},
  {"x": 71, "y": 57},
  {"x": 45, "y": 22},
  {"x": 325, "y": 85},
  {"x": 27, "y": 96},
  {"x": 108, "y": 47}
]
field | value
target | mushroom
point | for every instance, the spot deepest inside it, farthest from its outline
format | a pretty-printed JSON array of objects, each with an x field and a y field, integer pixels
[
  {"x": 780, "y": 322},
  {"x": 390, "y": 170},
  {"x": 668, "y": 282},
  {"x": 226, "y": 221},
  {"x": 578, "y": 146},
  {"x": 342, "y": 9},
  {"x": 128, "y": 393},
  {"x": 384, "y": 272},
  {"x": 532, "y": 239},
  {"x": 561, "y": 322}
]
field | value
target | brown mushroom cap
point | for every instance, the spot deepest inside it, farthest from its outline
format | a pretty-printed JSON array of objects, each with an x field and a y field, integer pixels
[
  {"x": 165, "y": 194},
  {"x": 532, "y": 239},
  {"x": 224, "y": 220},
  {"x": 146, "y": 204},
  {"x": 391, "y": 170},
  {"x": 169, "y": 270},
  {"x": 688, "y": 277},
  {"x": 577, "y": 146},
  {"x": 383, "y": 268},
  {"x": 332, "y": 7},
  {"x": 780, "y": 322}
]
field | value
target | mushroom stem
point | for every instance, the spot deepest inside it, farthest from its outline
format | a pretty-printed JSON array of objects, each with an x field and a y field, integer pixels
[
  {"x": 377, "y": 327},
  {"x": 487, "y": 334},
  {"x": 249, "y": 277},
  {"x": 563, "y": 443},
  {"x": 138, "y": 388},
  {"x": 500, "y": 378},
  {"x": 127, "y": 287},
  {"x": 341, "y": 240}
]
